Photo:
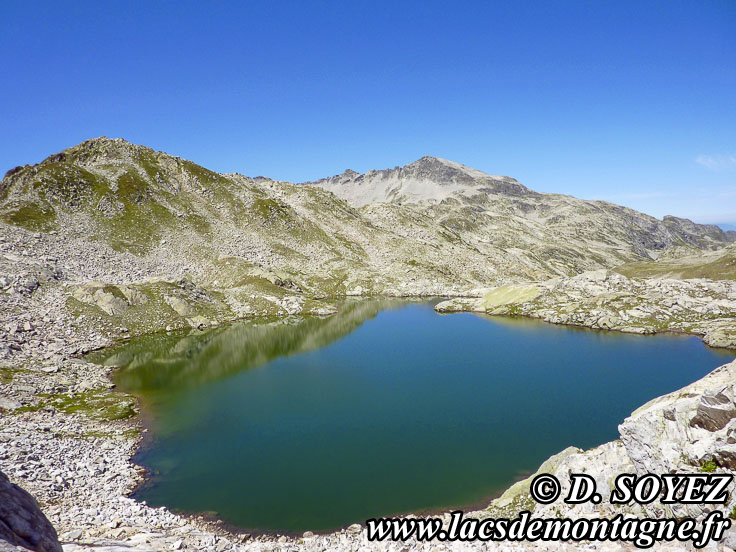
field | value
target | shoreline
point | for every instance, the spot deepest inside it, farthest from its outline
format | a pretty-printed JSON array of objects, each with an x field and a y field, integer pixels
[
  {"x": 666, "y": 331},
  {"x": 235, "y": 530},
  {"x": 147, "y": 434},
  {"x": 196, "y": 523}
]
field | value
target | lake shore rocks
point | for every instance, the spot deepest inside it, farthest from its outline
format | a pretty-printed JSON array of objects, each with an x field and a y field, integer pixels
[
  {"x": 78, "y": 465},
  {"x": 603, "y": 299},
  {"x": 687, "y": 431}
]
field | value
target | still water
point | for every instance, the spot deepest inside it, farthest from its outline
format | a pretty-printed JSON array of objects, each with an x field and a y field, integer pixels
[{"x": 384, "y": 408}]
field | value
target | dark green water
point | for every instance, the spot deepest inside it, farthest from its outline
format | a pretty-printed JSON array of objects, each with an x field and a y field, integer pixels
[{"x": 382, "y": 409}]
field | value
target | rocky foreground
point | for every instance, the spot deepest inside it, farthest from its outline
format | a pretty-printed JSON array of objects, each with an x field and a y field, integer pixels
[{"x": 108, "y": 240}]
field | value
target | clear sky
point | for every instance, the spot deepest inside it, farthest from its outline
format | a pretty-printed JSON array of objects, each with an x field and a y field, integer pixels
[{"x": 629, "y": 101}]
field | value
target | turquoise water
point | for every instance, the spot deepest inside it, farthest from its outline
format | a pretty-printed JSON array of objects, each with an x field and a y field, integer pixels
[{"x": 385, "y": 408}]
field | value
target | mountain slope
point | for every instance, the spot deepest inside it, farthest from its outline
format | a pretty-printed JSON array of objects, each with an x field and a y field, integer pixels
[
  {"x": 431, "y": 180},
  {"x": 151, "y": 240}
]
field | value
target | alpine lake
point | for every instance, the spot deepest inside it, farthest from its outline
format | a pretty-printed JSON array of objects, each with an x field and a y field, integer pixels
[{"x": 385, "y": 408}]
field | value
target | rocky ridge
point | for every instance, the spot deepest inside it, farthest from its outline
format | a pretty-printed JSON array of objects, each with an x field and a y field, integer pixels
[
  {"x": 108, "y": 240},
  {"x": 427, "y": 179}
]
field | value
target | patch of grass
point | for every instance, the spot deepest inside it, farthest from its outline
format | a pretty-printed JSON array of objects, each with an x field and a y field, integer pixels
[
  {"x": 331, "y": 286},
  {"x": 70, "y": 184},
  {"x": 520, "y": 503},
  {"x": 100, "y": 404},
  {"x": 38, "y": 217},
  {"x": 127, "y": 434},
  {"x": 148, "y": 162},
  {"x": 152, "y": 313},
  {"x": 132, "y": 187},
  {"x": 146, "y": 213},
  {"x": 205, "y": 176},
  {"x": 708, "y": 467},
  {"x": 269, "y": 208},
  {"x": 136, "y": 229},
  {"x": 458, "y": 225},
  {"x": 6, "y": 374},
  {"x": 353, "y": 247},
  {"x": 732, "y": 513},
  {"x": 723, "y": 268}
]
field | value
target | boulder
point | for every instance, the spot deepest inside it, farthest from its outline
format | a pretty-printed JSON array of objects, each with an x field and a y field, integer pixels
[
  {"x": 601, "y": 463},
  {"x": 8, "y": 403},
  {"x": 460, "y": 304},
  {"x": 722, "y": 336},
  {"x": 693, "y": 423},
  {"x": 682, "y": 431},
  {"x": 510, "y": 294},
  {"x": 93, "y": 293},
  {"x": 22, "y": 523},
  {"x": 133, "y": 296},
  {"x": 109, "y": 303},
  {"x": 179, "y": 305}
]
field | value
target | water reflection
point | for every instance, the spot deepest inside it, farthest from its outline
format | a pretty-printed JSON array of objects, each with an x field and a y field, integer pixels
[
  {"x": 178, "y": 361},
  {"x": 306, "y": 423}
]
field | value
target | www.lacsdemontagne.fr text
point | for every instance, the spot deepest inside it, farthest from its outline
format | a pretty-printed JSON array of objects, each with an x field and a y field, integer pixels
[{"x": 643, "y": 533}]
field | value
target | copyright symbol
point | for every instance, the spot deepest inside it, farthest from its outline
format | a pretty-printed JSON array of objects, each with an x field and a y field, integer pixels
[{"x": 545, "y": 488}]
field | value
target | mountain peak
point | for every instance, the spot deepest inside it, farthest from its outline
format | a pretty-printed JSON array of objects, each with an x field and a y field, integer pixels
[
  {"x": 426, "y": 179},
  {"x": 427, "y": 159},
  {"x": 444, "y": 169}
]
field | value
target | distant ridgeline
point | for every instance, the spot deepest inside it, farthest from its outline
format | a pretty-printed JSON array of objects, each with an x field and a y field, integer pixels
[{"x": 430, "y": 227}]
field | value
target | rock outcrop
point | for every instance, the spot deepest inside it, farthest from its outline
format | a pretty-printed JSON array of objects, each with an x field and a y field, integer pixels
[
  {"x": 22, "y": 522},
  {"x": 607, "y": 300},
  {"x": 427, "y": 179},
  {"x": 688, "y": 431}
]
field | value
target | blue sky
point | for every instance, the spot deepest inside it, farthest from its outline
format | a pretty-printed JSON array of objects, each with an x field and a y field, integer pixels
[{"x": 633, "y": 102}]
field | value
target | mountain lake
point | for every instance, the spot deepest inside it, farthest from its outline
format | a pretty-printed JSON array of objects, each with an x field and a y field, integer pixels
[{"x": 384, "y": 408}]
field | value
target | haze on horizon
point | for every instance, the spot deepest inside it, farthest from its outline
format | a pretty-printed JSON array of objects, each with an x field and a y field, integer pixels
[{"x": 624, "y": 102}]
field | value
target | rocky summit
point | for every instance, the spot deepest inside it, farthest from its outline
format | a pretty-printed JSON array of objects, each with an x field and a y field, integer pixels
[
  {"x": 428, "y": 179},
  {"x": 107, "y": 240}
]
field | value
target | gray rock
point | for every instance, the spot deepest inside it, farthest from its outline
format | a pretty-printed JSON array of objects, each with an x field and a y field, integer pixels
[
  {"x": 27, "y": 284},
  {"x": 179, "y": 305},
  {"x": 715, "y": 410},
  {"x": 681, "y": 431},
  {"x": 109, "y": 303},
  {"x": 8, "y": 404},
  {"x": 22, "y": 523}
]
